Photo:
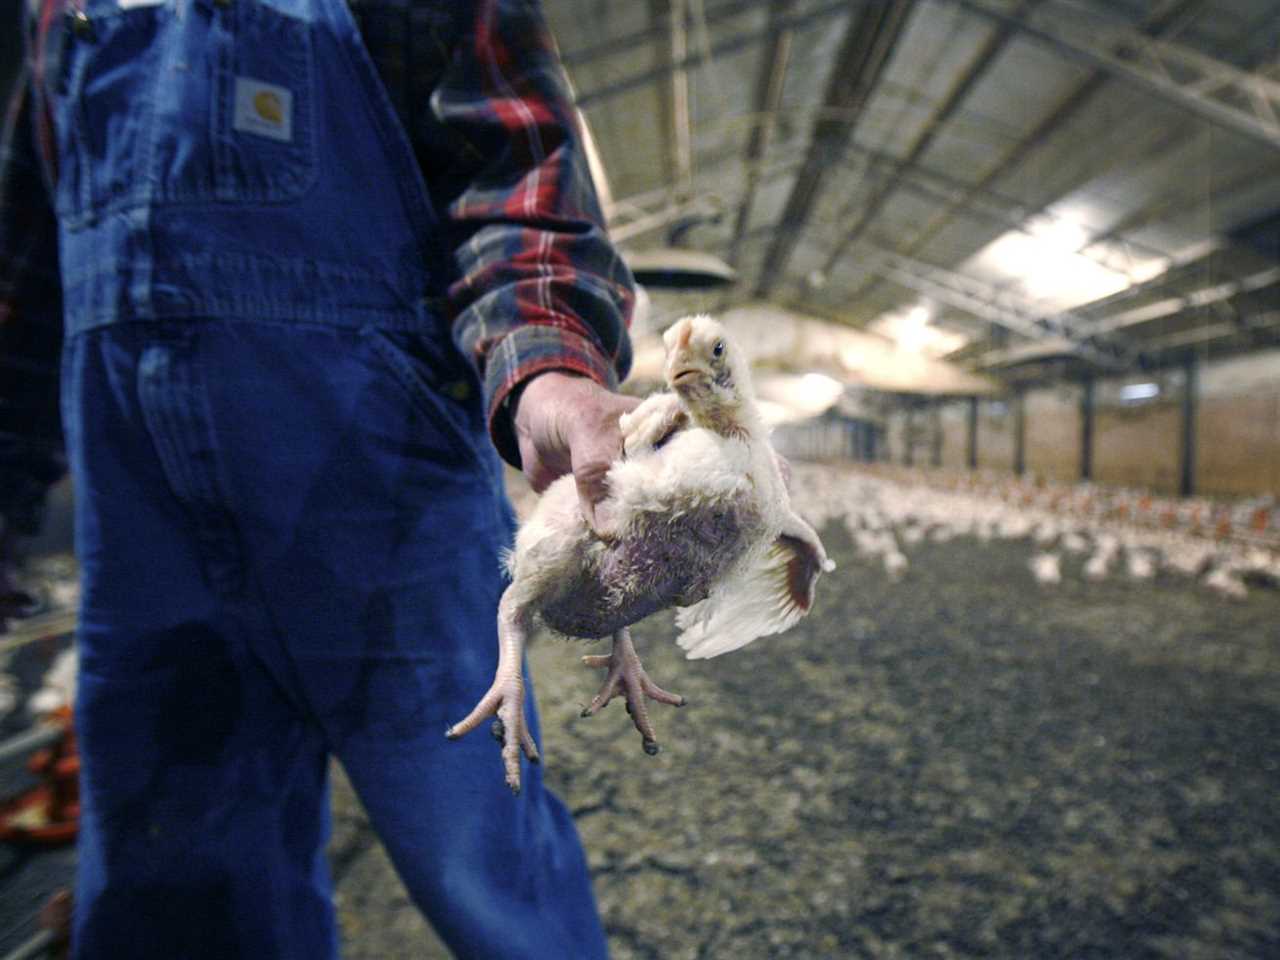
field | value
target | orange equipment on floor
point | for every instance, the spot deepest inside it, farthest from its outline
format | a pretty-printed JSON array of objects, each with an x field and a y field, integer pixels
[{"x": 48, "y": 814}]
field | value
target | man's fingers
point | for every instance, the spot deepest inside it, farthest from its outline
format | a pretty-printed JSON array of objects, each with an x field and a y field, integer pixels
[
  {"x": 591, "y": 479},
  {"x": 536, "y": 471},
  {"x": 569, "y": 424}
]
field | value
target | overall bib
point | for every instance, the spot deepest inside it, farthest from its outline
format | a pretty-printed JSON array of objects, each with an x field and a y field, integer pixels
[{"x": 288, "y": 511}]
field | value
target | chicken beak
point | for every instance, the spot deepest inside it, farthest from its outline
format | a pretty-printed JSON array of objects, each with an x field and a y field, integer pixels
[{"x": 686, "y": 373}]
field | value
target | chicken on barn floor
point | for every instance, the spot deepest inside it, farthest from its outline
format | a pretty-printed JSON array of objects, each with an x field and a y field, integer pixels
[{"x": 702, "y": 521}]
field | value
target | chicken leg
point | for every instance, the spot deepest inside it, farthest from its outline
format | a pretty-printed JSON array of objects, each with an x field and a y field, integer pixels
[
  {"x": 627, "y": 677},
  {"x": 505, "y": 697}
]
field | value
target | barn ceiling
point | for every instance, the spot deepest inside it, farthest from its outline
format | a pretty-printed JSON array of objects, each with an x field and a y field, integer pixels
[{"x": 1030, "y": 188}]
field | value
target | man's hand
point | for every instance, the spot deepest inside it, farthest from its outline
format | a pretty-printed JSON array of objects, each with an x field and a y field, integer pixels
[{"x": 566, "y": 423}]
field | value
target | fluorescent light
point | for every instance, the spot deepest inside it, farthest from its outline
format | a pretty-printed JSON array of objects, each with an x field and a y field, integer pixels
[
  {"x": 1139, "y": 391},
  {"x": 821, "y": 388},
  {"x": 914, "y": 332},
  {"x": 788, "y": 397},
  {"x": 1063, "y": 235},
  {"x": 1044, "y": 258}
]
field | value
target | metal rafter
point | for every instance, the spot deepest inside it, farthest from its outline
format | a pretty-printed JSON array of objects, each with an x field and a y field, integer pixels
[
  {"x": 681, "y": 124},
  {"x": 1234, "y": 99},
  {"x": 1169, "y": 16},
  {"x": 1173, "y": 203},
  {"x": 1200, "y": 299},
  {"x": 976, "y": 69},
  {"x": 1263, "y": 323},
  {"x": 993, "y": 304},
  {"x": 1193, "y": 256},
  {"x": 870, "y": 37},
  {"x": 655, "y": 31},
  {"x": 979, "y": 297},
  {"x": 768, "y": 100},
  {"x": 662, "y": 15},
  {"x": 733, "y": 44}
]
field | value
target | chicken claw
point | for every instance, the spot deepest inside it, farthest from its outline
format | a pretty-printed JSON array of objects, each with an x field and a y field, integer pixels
[
  {"x": 627, "y": 677},
  {"x": 504, "y": 699}
]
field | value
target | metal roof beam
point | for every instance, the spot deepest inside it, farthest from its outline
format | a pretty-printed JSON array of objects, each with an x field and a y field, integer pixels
[
  {"x": 1195, "y": 300},
  {"x": 655, "y": 31},
  {"x": 992, "y": 304},
  {"x": 977, "y": 68},
  {"x": 980, "y": 202},
  {"x": 733, "y": 44},
  {"x": 1214, "y": 331},
  {"x": 663, "y": 14},
  {"x": 769, "y": 86},
  {"x": 1166, "y": 17},
  {"x": 869, "y": 40},
  {"x": 1238, "y": 100}
]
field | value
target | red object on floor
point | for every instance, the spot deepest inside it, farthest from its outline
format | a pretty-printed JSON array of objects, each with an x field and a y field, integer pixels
[{"x": 49, "y": 813}]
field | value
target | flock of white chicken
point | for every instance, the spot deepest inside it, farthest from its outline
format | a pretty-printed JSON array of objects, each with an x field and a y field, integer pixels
[
  {"x": 56, "y": 579},
  {"x": 889, "y": 511}
]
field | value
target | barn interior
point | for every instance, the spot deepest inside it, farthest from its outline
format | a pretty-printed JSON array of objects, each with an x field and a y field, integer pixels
[{"x": 1009, "y": 275}]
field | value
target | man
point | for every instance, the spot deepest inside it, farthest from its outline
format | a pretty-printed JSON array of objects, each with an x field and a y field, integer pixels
[{"x": 310, "y": 260}]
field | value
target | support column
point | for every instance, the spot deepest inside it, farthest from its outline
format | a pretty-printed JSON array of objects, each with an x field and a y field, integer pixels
[
  {"x": 1086, "y": 429},
  {"x": 1190, "y": 406},
  {"x": 1020, "y": 431},
  {"x": 971, "y": 454},
  {"x": 935, "y": 416},
  {"x": 909, "y": 437}
]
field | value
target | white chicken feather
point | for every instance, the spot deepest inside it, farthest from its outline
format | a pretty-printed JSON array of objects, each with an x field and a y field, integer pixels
[{"x": 701, "y": 520}]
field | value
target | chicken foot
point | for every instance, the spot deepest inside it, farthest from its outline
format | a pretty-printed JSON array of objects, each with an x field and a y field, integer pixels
[
  {"x": 505, "y": 698},
  {"x": 627, "y": 677}
]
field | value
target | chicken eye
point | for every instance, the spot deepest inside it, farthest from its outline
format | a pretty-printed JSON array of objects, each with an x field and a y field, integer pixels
[{"x": 718, "y": 349}]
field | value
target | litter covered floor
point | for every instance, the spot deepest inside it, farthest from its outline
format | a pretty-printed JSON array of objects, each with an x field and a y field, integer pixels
[
  {"x": 953, "y": 760},
  {"x": 953, "y": 756}
]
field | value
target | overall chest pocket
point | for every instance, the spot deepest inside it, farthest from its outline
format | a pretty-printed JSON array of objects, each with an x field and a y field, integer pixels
[{"x": 190, "y": 102}]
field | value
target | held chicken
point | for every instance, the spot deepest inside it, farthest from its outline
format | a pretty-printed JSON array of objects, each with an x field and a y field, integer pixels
[{"x": 701, "y": 520}]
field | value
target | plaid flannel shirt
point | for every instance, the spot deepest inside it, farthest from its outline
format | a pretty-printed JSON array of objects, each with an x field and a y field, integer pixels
[{"x": 535, "y": 283}]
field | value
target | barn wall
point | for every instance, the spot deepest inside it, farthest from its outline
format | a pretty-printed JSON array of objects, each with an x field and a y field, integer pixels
[
  {"x": 1053, "y": 426},
  {"x": 1239, "y": 426},
  {"x": 895, "y": 449},
  {"x": 1136, "y": 444},
  {"x": 953, "y": 422},
  {"x": 995, "y": 435}
]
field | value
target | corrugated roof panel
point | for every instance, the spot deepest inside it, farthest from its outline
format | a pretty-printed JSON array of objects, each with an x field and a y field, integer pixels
[
  {"x": 813, "y": 51},
  {"x": 581, "y": 25},
  {"x": 939, "y": 40},
  {"x": 632, "y": 146}
]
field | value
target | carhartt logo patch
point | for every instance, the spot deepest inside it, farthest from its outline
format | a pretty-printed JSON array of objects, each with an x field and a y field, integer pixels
[{"x": 264, "y": 109}]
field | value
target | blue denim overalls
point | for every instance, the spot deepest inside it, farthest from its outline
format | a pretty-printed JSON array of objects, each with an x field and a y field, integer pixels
[{"x": 288, "y": 511}]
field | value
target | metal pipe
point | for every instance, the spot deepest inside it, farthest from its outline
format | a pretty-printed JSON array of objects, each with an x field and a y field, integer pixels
[
  {"x": 45, "y": 626},
  {"x": 29, "y": 741},
  {"x": 38, "y": 945}
]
